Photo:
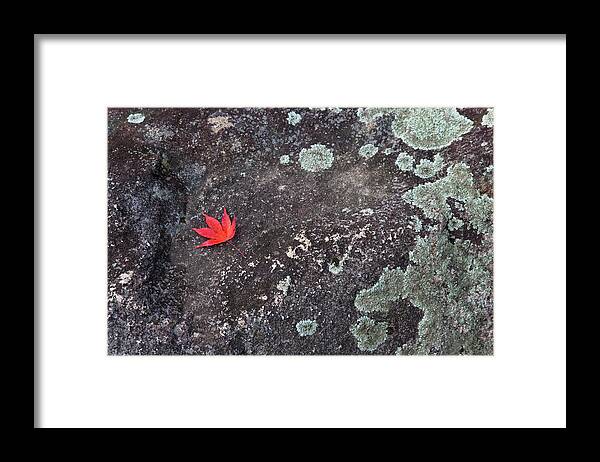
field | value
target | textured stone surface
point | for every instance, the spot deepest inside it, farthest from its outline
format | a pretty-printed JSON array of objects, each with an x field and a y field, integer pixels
[{"x": 310, "y": 240}]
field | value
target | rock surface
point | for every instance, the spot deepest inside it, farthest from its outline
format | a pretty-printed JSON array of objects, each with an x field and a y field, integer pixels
[{"x": 308, "y": 239}]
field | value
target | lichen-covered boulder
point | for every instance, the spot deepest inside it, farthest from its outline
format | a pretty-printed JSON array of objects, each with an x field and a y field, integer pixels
[{"x": 359, "y": 231}]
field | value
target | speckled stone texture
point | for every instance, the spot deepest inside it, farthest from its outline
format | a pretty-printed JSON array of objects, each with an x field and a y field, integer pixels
[{"x": 331, "y": 231}]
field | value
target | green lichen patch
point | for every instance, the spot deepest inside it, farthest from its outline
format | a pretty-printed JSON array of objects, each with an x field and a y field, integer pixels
[
  {"x": 136, "y": 118},
  {"x": 405, "y": 162},
  {"x": 369, "y": 334},
  {"x": 451, "y": 282},
  {"x": 284, "y": 159},
  {"x": 427, "y": 168},
  {"x": 368, "y": 150},
  {"x": 480, "y": 210},
  {"x": 316, "y": 158},
  {"x": 455, "y": 223},
  {"x": 306, "y": 327},
  {"x": 429, "y": 128},
  {"x": 458, "y": 184},
  {"x": 368, "y": 115},
  {"x": 293, "y": 118},
  {"x": 383, "y": 294},
  {"x": 416, "y": 224},
  {"x": 488, "y": 118}
]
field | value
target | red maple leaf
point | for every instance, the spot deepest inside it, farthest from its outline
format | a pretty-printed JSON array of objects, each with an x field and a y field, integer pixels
[{"x": 216, "y": 233}]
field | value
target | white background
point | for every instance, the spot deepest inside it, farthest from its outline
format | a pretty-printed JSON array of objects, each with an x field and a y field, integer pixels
[{"x": 524, "y": 384}]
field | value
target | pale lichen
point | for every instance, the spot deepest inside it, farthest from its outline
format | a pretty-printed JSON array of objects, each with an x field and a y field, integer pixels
[
  {"x": 284, "y": 285},
  {"x": 383, "y": 295},
  {"x": 316, "y": 158},
  {"x": 455, "y": 223},
  {"x": 136, "y": 118},
  {"x": 125, "y": 278},
  {"x": 480, "y": 210},
  {"x": 218, "y": 123},
  {"x": 450, "y": 281},
  {"x": 368, "y": 150},
  {"x": 458, "y": 184},
  {"x": 293, "y": 118},
  {"x": 488, "y": 118},
  {"x": 429, "y": 128},
  {"x": 337, "y": 268},
  {"x": 369, "y": 334},
  {"x": 416, "y": 224},
  {"x": 304, "y": 245},
  {"x": 405, "y": 162},
  {"x": 306, "y": 327},
  {"x": 368, "y": 115},
  {"x": 427, "y": 168},
  {"x": 284, "y": 159}
]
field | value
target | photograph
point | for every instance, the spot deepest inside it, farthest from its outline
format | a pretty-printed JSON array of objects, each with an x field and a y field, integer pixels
[{"x": 300, "y": 231}]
